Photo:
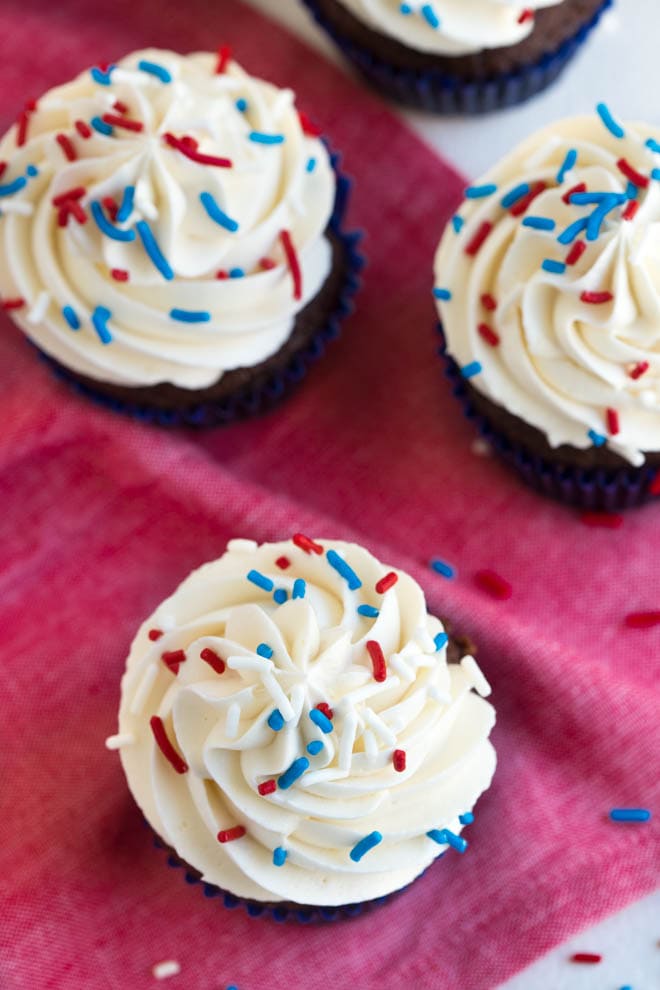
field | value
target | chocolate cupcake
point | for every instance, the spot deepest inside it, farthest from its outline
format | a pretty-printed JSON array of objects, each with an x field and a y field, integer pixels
[
  {"x": 547, "y": 282},
  {"x": 299, "y": 732},
  {"x": 459, "y": 56},
  {"x": 172, "y": 236}
]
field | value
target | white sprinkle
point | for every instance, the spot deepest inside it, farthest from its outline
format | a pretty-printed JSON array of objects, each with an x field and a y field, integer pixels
[
  {"x": 242, "y": 546},
  {"x": 370, "y": 745},
  {"x": 325, "y": 776},
  {"x": 233, "y": 718},
  {"x": 442, "y": 697},
  {"x": 121, "y": 739},
  {"x": 399, "y": 664},
  {"x": 260, "y": 664},
  {"x": 166, "y": 969},
  {"x": 144, "y": 690},
  {"x": 424, "y": 660},
  {"x": 278, "y": 696},
  {"x": 368, "y": 691},
  {"x": 18, "y": 206},
  {"x": 379, "y": 727},
  {"x": 40, "y": 308},
  {"x": 476, "y": 678},
  {"x": 481, "y": 448},
  {"x": 347, "y": 741}
]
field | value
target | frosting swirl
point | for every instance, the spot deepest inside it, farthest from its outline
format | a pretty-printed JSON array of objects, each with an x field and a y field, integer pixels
[
  {"x": 274, "y": 799},
  {"x": 548, "y": 284},
  {"x": 455, "y": 27},
  {"x": 152, "y": 217}
]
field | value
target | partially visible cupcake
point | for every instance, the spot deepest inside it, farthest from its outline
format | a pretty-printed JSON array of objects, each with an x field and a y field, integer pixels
[
  {"x": 547, "y": 282},
  {"x": 459, "y": 56},
  {"x": 172, "y": 237},
  {"x": 300, "y": 732}
]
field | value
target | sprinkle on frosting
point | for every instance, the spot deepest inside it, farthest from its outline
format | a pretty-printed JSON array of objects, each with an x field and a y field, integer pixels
[
  {"x": 365, "y": 845},
  {"x": 165, "y": 746}
]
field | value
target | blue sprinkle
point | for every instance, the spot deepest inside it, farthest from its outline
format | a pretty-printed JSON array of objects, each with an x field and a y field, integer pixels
[
  {"x": 100, "y": 77},
  {"x": 260, "y": 138},
  {"x": 280, "y": 596},
  {"x": 264, "y": 650},
  {"x": 440, "y": 641},
  {"x": 299, "y": 588},
  {"x": 190, "y": 315},
  {"x": 101, "y": 126},
  {"x": 466, "y": 819},
  {"x": 571, "y": 232},
  {"x": 632, "y": 191},
  {"x": 215, "y": 213},
  {"x": 470, "y": 370},
  {"x": 655, "y": 174},
  {"x": 279, "y": 856},
  {"x": 568, "y": 164},
  {"x": 405, "y": 9},
  {"x": 539, "y": 223},
  {"x": 610, "y": 123},
  {"x": 343, "y": 569},
  {"x": 13, "y": 187},
  {"x": 653, "y": 145},
  {"x": 445, "y": 837},
  {"x": 261, "y": 581},
  {"x": 514, "y": 195},
  {"x": 554, "y": 267},
  {"x": 321, "y": 720},
  {"x": 365, "y": 845},
  {"x": 315, "y": 747},
  {"x": 478, "y": 192},
  {"x": 152, "y": 249},
  {"x": 295, "y": 771},
  {"x": 444, "y": 294},
  {"x": 369, "y": 611},
  {"x": 591, "y": 198},
  {"x": 597, "y": 439},
  {"x": 597, "y": 219},
  {"x": 457, "y": 223},
  {"x": 108, "y": 228},
  {"x": 430, "y": 16},
  {"x": 440, "y": 567},
  {"x": 155, "y": 70},
  {"x": 630, "y": 815},
  {"x": 276, "y": 720},
  {"x": 32, "y": 171},
  {"x": 241, "y": 105},
  {"x": 71, "y": 317},
  {"x": 311, "y": 165},
  {"x": 100, "y": 317},
  {"x": 236, "y": 273},
  {"x": 126, "y": 208}
]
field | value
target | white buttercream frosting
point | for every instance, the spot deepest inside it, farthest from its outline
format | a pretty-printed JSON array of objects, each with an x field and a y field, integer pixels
[
  {"x": 450, "y": 27},
  {"x": 205, "y": 219},
  {"x": 224, "y": 727},
  {"x": 577, "y": 353}
]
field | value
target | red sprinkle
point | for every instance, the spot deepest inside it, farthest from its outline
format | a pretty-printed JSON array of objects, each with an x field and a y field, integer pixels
[
  {"x": 640, "y": 369},
  {"x": 188, "y": 147},
  {"x": 115, "y": 120},
  {"x": 630, "y": 211},
  {"x": 642, "y": 620},
  {"x": 386, "y": 582},
  {"x": 613, "y": 421},
  {"x": 119, "y": 274},
  {"x": 304, "y": 543},
  {"x": 230, "y": 834},
  {"x": 580, "y": 188},
  {"x": 488, "y": 334},
  {"x": 631, "y": 173},
  {"x": 67, "y": 147},
  {"x": 399, "y": 760},
  {"x": 377, "y": 659},
  {"x": 155, "y": 634},
  {"x": 526, "y": 15},
  {"x": 493, "y": 584},
  {"x": 602, "y": 520},
  {"x": 267, "y": 264},
  {"x": 165, "y": 746},
  {"x": 479, "y": 238},
  {"x": 23, "y": 121},
  {"x": 596, "y": 298},
  {"x": 213, "y": 660},
  {"x": 576, "y": 252},
  {"x": 120, "y": 107},
  {"x": 83, "y": 129},
  {"x": 308, "y": 126},
  {"x": 294, "y": 264},
  {"x": 64, "y": 197},
  {"x": 523, "y": 204},
  {"x": 324, "y": 707},
  {"x": 224, "y": 56},
  {"x": 488, "y": 302},
  {"x": 222, "y": 275},
  {"x": 3, "y": 168},
  {"x": 13, "y": 303},
  {"x": 111, "y": 207},
  {"x": 74, "y": 207},
  {"x": 62, "y": 216},
  {"x": 586, "y": 957},
  {"x": 268, "y": 787},
  {"x": 173, "y": 659},
  {"x": 283, "y": 563}
]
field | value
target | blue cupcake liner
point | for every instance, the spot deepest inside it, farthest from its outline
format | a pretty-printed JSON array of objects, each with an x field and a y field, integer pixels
[
  {"x": 277, "y": 912},
  {"x": 251, "y": 402},
  {"x": 438, "y": 92},
  {"x": 600, "y": 489}
]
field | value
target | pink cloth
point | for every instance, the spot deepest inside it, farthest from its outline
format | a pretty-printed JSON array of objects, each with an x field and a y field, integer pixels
[{"x": 102, "y": 517}]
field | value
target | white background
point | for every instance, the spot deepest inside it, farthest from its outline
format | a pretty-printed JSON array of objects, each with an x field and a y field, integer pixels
[{"x": 620, "y": 65}]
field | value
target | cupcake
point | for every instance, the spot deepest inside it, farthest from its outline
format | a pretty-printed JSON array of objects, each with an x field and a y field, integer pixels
[
  {"x": 547, "y": 282},
  {"x": 459, "y": 56},
  {"x": 300, "y": 732},
  {"x": 172, "y": 237}
]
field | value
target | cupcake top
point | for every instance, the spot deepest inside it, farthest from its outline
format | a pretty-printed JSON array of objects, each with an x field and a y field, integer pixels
[
  {"x": 162, "y": 220},
  {"x": 289, "y": 723},
  {"x": 450, "y": 27},
  {"x": 548, "y": 284}
]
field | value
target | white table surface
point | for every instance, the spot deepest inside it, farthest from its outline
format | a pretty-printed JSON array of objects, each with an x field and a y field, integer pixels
[{"x": 621, "y": 66}]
